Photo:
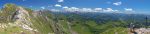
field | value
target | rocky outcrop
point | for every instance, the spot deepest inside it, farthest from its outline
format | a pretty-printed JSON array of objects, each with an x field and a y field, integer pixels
[{"x": 22, "y": 19}]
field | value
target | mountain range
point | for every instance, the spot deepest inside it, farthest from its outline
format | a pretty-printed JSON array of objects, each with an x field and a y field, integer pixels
[{"x": 20, "y": 20}]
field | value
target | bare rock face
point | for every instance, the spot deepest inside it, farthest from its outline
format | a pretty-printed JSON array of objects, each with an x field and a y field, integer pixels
[
  {"x": 143, "y": 30},
  {"x": 23, "y": 17},
  {"x": 16, "y": 17}
]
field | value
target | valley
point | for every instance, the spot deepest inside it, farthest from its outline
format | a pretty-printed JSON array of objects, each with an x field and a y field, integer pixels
[{"x": 20, "y": 20}]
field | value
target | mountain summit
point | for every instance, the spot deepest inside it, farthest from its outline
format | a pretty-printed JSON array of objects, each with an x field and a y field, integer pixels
[
  {"x": 20, "y": 20},
  {"x": 16, "y": 17}
]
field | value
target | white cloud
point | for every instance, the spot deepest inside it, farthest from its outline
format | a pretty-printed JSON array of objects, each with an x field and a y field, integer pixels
[
  {"x": 55, "y": 10},
  {"x": 117, "y": 3},
  {"x": 58, "y": 5},
  {"x": 87, "y": 10},
  {"x": 128, "y": 9},
  {"x": 43, "y": 7},
  {"x": 111, "y": 10},
  {"x": 65, "y": 7},
  {"x": 60, "y": 0},
  {"x": 98, "y": 9},
  {"x": 108, "y": 10},
  {"x": 115, "y": 10},
  {"x": 72, "y": 9}
]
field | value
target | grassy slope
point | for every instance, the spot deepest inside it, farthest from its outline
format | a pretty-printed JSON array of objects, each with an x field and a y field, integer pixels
[{"x": 78, "y": 24}]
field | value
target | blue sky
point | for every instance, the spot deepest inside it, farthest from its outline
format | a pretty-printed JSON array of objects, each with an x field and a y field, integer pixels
[{"x": 140, "y": 6}]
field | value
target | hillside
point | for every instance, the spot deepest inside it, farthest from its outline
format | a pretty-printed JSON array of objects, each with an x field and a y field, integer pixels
[
  {"x": 16, "y": 19},
  {"x": 20, "y": 20}
]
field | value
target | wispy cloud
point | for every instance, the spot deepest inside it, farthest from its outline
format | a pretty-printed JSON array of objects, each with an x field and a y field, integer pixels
[
  {"x": 128, "y": 9},
  {"x": 42, "y": 7},
  {"x": 55, "y": 10},
  {"x": 65, "y": 7},
  {"x": 58, "y": 5},
  {"x": 60, "y": 0},
  {"x": 108, "y": 10},
  {"x": 72, "y": 9},
  {"x": 87, "y": 10},
  {"x": 98, "y": 9},
  {"x": 117, "y": 3}
]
